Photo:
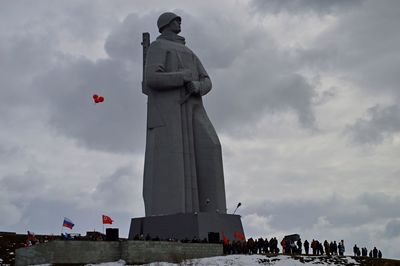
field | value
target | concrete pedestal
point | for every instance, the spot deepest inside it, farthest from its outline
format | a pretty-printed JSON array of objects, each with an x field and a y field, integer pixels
[
  {"x": 76, "y": 252},
  {"x": 189, "y": 225}
]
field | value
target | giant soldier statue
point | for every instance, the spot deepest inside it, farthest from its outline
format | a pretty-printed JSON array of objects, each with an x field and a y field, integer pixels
[
  {"x": 183, "y": 164},
  {"x": 183, "y": 173}
]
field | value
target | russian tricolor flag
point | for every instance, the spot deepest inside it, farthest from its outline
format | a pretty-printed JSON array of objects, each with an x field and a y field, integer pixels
[{"x": 68, "y": 223}]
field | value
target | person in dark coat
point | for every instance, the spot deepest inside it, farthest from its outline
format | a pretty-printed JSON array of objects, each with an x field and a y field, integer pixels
[
  {"x": 266, "y": 245},
  {"x": 364, "y": 251},
  {"x": 275, "y": 246},
  {"x": 341, "y": 248},
  {"x": 327, "y": 248},
  {"x": 321, "y": 248},
  {"x": 299, "y": 245},
  {"x": 306, "y": 246},
  {"x": 375, "y": 252},
  {"x": 379, "y": 254},
  {"x": 250, "y": 245},
  {"x": 355, "y": 250},
  {"x": 260, "y": 245},
  {"x": 335, "y": 247}
]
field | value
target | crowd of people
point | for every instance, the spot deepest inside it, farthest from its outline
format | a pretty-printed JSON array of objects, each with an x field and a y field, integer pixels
[
  {"x": 327, "y": 248},
  {"x": 251, "y": 246},
  {"x": 318, "y": 248},
  {"x": 373, "y": 253}
]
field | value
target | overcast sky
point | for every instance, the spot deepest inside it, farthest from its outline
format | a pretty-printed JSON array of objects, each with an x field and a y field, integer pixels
[{"x": 305, "y": 101}]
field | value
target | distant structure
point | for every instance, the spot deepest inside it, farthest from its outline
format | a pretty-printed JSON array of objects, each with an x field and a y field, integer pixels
[{"x": 183, "y": 172}]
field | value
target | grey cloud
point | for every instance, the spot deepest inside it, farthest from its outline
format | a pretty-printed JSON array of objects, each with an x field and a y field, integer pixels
[
  {"x": 124, "y": 41},
  {"x": 360, "y": 47},
  {"x": 325, "y": 96},
  {"x": 303, "y": 6},
  {"x": 340, "y": 212},
  {"x": 380, "y": 204},
  {"x": 215, "y": 39},
  {"x": 59, "y": 87},
  {"x": 44, "y": 216},
  {"x": 296, "y": 93},
  {"x": 266, "y": 84},
  {"x": 16, "y": 191},
  {"x": 74, "y": 20},
  {"x": 27, "y": 202},
  {"x": 120, "y": 191},
  {"x": 30, "y": 180},
  {"x": 117, "y": 124},
  {"x": 392, "y": 228},
  {"x": 22, "y": 57},
  {"x": 84, "y": 21},
  {"x": 7, "y": 152},
  {"x": 20, "y": 189},
  {"x": 378, "y": 124},
  {"x": 11, "y": 214}
]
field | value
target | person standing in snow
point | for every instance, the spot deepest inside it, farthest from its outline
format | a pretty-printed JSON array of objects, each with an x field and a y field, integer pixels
[
  {"x": 314, "y": 247},
  {"x": 266, "y": 245},
  {"x": 326, "y": 246},
  {"x": 306, "y": 246},
  {"x": 299, "y": 246},
  {"x": 355, "y": 250},
  {"x": 283, "y": 244},
  {"x": 341, "y": 248},
  {"x": 375, "y": 252}
]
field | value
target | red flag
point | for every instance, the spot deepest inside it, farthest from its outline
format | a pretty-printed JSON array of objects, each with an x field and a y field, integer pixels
[
  {"x": 239, "y": 235},
  {"x": 226, "y": 240},
  {"x": 107, "y": 219}
]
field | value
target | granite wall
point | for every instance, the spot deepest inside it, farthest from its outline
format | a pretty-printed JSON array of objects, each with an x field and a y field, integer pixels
[{"x": 133, "y": 252}]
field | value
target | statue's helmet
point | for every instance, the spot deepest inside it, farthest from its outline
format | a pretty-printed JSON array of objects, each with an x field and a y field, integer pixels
[{"x": 165, "y": 19}]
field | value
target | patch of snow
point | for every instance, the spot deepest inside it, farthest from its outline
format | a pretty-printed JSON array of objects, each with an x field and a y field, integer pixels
[
  {"x": 120, "y": 262},
  {"x": 282, "y": 260},
  {"x": 252, "y": 260}
]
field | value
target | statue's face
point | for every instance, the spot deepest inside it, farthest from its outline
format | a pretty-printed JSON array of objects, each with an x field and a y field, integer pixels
[{"x": 175, "y": 25}]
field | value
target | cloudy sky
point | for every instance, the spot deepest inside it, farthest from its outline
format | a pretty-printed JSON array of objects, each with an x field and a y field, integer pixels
[{"x": 305, "y": 101}]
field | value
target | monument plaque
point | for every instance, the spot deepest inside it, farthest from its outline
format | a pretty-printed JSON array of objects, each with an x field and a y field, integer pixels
[{"x": 183, "y": 187}]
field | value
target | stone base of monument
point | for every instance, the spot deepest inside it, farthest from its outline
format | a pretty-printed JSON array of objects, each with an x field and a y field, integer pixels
[
  {"x": 203, "y": 225},
  {"x": 76, "y": 252}
]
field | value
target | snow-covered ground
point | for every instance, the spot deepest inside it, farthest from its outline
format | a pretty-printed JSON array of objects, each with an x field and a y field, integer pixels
[{"x": 250, "y": 260}]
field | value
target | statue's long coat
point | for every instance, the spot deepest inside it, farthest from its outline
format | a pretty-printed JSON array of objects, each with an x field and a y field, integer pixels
[{"x": 183, "y": 170}]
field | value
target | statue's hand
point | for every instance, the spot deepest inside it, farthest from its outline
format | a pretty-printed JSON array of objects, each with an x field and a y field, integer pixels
[
  {"x": 187, "y": 75},
  {"x": 193, "y": 87}
]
